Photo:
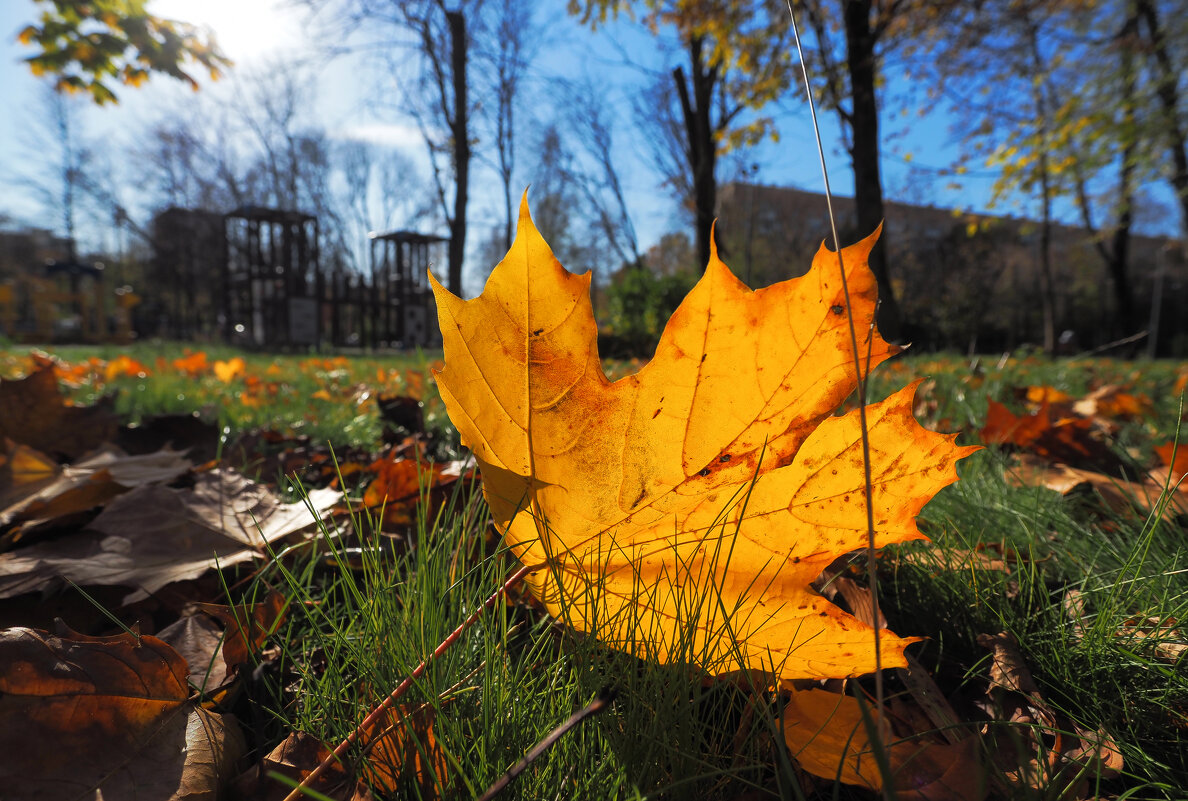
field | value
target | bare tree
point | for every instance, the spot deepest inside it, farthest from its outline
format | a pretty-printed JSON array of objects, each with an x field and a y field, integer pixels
[
  {"x": 505, "y": 51},
  {"x": 592, "y": 125},
  {"x": 55, "y": 136}
]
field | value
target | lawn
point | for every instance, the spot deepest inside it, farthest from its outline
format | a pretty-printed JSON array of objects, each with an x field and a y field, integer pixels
[{"x": 1084, "y": 574}]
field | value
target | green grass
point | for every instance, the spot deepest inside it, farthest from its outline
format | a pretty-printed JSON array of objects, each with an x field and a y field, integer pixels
[{"x": 357, "y": 626}]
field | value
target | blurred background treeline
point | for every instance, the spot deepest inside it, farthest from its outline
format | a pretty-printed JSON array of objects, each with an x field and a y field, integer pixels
[{"x": 1028, "y": 160}]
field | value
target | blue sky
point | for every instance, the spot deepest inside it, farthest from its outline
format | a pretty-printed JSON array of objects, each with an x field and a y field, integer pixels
[{"x": 255, "y": 31}]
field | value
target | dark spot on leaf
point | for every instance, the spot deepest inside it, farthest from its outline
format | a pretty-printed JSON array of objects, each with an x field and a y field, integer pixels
[
  {"x": 537, "y": 332},
  {"x": 703, "y": 356},
  {"x": 724, "y": 457},
  {"x": 657, "y": 412},
  {"x": 703, "y": 472},
  {"x": 838, "y": 310}
]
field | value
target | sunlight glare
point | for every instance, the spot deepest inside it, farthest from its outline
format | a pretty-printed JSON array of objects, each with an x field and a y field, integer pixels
[{"x": 247, "y": 30}]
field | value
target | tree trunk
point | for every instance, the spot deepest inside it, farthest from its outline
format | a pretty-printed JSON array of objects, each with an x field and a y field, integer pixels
[
  {"x": 1169, "y": 97},
  {"x": 1047, "y": 284},
  {"x": 703, "y": 150},
  {"x": 868, "y": 185},
  {"x": 1119, "y": 261},
  {"x": 460, "y": 134}
]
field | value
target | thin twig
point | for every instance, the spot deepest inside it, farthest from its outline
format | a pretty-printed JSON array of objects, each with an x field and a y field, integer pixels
[
  {"x": 601, "y": 701},
  {"x": 398, "y": 693}
]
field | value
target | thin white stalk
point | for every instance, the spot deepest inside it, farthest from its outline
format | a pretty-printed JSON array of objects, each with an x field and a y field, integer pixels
[{"x": 871, "y": 561}]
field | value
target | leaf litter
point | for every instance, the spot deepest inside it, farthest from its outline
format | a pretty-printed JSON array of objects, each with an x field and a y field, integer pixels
[
  {"x": 933, "y": 751},
  {"x": 118, "y": 715}
]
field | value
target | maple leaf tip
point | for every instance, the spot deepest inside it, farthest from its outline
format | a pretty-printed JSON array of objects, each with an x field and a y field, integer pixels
[{"x": 525, "y": 212}]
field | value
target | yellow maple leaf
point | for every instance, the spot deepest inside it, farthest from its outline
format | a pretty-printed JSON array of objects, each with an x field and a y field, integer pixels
[
  {"x": 683, "y": 511},
  {"x": 227, "y": 371}
]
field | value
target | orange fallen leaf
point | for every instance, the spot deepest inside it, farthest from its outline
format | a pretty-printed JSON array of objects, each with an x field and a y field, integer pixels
[
  {"x": 1044, "y": 394},
  {"x": 828, "y": 737},
  {"x": 401, "y": 748},
  {"x": 124, "y": 365},
  {"x": 193, "y": 363},
  {"x": 1113, "y": 402},
  {"x": 1068, "y": 439},
  {"x": 1174, "y": 458},
  {"x": 683, "y": 511},
  {"x": 23, "y": 472}
]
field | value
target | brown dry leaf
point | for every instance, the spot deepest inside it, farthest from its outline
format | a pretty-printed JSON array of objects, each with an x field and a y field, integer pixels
[
  {"x": 1118, "y": 494},
  {"x": 295, "y": 758},
  {"x": 34, "y": 413},
  {"x": 1041, "y": 749},
  {"x": 155, "y": 535},
  {"x": 198, "y": 639},
  {"x": 1161, "y": 636},
  {"x": 247, "y": 626},
  {"x": 84, "y": 717},
  {"x": 828, "y": 738}
]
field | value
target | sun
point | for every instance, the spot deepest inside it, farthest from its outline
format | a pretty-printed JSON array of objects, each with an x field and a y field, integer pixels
[{"x": 246, "y": 30}]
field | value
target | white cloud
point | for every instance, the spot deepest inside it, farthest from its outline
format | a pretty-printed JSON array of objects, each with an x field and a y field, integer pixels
[{"x": 395, "y": 135}]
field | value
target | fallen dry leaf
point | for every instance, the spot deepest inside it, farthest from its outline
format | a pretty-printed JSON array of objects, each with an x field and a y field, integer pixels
[
  {"x": 397, "y": 487},
  {"x": 1118, "y": 494},
  {"x": 124, "y": 365},
  {"x": 933, "y": 557},
  {"x": 1161, "y": 636},
  {"x": 198, "y": 640},
  {"x": 716, "y": 478},
  {"x": 93, "y": 481},
  {"x": 295, "y": 758},
  {"x": 1113, "y": 403},
  {"x": 1175, "y": 458},
  {"x": 23, "y": 472},
  {"x": 247, "y": 626},
  {"x": 33, "y": 412},
  {"x": 192, "y": 363},
  {"x": 1038, "y": 748},
  {"x": 215, "y": 654},
  {"x": 86, "y": 717},
  {"x": 1069, "y": 439},
  {"x": 400, "y": 750},
  {"x": 154, "y": 535},
  {"x": 828, "y": 737}
]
